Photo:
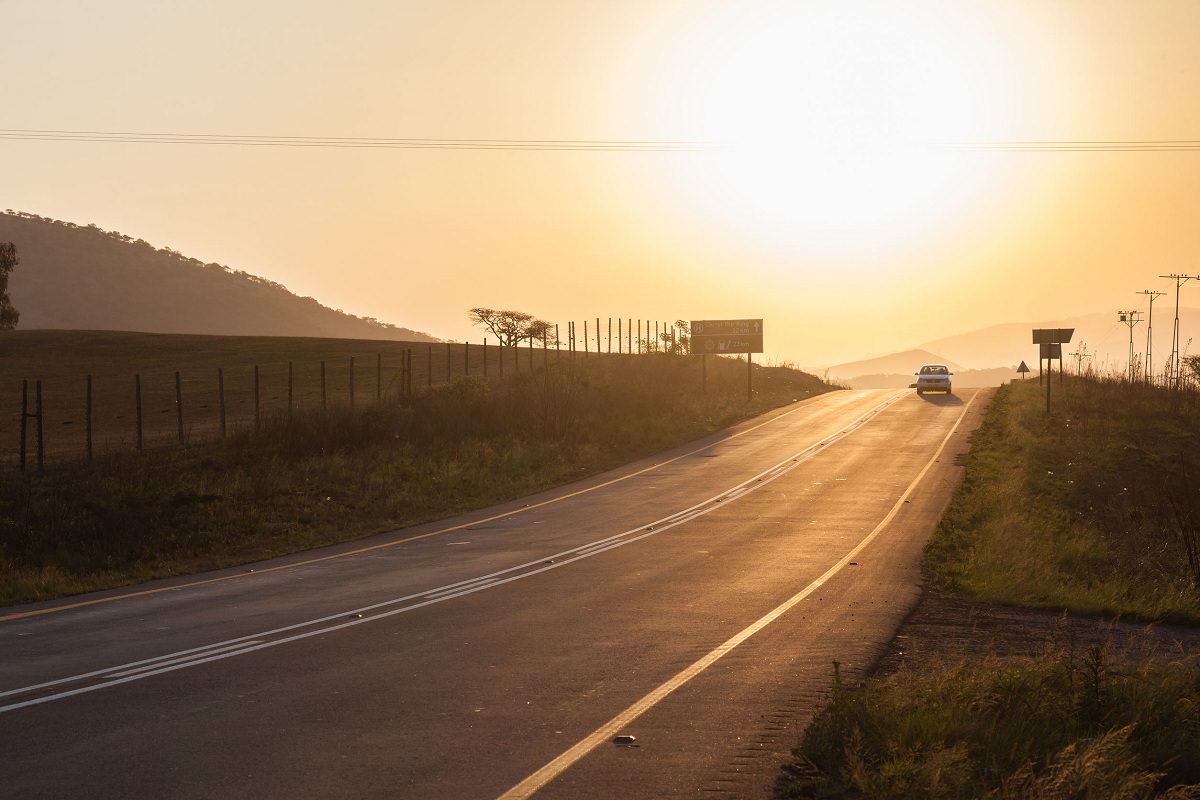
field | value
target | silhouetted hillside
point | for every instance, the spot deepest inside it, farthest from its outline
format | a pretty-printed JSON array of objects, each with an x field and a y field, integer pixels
[
  {"x": 1102, "y": 340},
  {"x": 84, "y": 278},
  {"x": 897, "y": 371},
  {"x": 905, "y": 363}
]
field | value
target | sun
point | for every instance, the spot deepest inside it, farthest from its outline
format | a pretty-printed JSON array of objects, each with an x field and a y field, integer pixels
[{"x": 833, "y": 119}]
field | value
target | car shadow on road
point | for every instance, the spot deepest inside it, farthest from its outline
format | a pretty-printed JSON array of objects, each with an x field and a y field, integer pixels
[{"x": 941, "y": 399}]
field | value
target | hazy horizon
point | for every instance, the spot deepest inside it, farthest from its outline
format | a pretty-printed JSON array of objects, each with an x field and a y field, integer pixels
[{"x": 862, "y": 175}]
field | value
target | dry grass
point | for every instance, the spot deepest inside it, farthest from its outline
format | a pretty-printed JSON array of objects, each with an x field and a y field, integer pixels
[
  {"x": 1091, "y": 509},
  {"x": 324, "y": 476},
  {"x": 1088, "y": 510}
]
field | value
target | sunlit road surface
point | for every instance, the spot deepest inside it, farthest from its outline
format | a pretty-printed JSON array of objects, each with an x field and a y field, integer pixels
[{"x": 695, "y": 601}]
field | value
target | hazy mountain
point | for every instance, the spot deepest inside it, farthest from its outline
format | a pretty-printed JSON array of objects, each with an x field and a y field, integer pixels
[
  {"x": 905, "y": 363},
  {"x": 84, "y": 278},
  {"x": 1101, "y": 338},
  {"x": 990, "y": 356},
  {"x": 897, "y": 371}
]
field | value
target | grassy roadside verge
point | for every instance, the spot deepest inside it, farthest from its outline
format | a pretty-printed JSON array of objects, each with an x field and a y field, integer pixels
[
  {"x": 1092, "y": 510},
  {"x": 328, "y": 477}
]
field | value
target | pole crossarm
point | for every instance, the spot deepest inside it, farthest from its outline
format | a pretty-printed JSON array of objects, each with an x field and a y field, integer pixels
[
  {"x": 1173, "y": 375},
  {"x": 1130, "y": 318},
  {"x": 1149, "y": 369}
]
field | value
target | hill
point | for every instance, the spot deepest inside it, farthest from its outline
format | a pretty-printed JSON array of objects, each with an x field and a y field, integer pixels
[
  {"x": 990, "y": 356},
  {"x": 1101, "y": 336},
  {"x": 905, "y": 363},
  {"x": 896, "y": 371},
  {"x": 84, "y": 278}
]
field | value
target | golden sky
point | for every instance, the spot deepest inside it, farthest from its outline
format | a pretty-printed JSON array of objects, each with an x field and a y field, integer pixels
[{"x": 841, "y": 186}]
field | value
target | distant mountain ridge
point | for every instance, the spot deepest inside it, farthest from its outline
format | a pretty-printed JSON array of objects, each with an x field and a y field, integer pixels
[
  {"x": 898, "y": 370},
  {"x": 1101, "y": 337},
  {"x": 77, "y": 277},
  {"x": 991, "y": 355}
]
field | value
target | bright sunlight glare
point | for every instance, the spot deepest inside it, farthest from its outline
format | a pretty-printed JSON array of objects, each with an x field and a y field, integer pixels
[{"x": 834, "y": 114}]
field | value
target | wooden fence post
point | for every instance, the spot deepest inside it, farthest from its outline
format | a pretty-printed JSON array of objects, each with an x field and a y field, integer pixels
[
  {"x": 41, "y": 440},
  {"x": 137, "y": 398},
  {"x": 24, "y": 417},
  {"x": 221, "y": 397},
  {"x": 466, "y": 358},
  {"x": 447, "y": 362},
  {"x": 485, "y": 356},
  {"x": 257, "y": 404},
  {"x": 429, "y": 366},
  {"x": 291, "y": 383},
  {"x": 351, "y": 381},
  {"x": 324, "y": 403},
  {"x": 179, "y": 405},
  {"x": 378, "y": 378},
  {"x": 87, "y": 418}
]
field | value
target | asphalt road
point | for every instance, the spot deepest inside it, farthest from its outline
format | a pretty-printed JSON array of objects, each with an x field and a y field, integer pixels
[{"x": 695, "y": 602}]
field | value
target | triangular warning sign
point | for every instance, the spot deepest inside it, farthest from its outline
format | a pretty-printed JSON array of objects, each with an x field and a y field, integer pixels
[{"x": 1023, "y": 368}]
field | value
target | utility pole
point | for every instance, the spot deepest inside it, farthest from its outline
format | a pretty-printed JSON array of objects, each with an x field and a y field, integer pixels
[
  {"x": 1149, "y": 334},
  {"x": 1130, "y": 318},
  {"x": 1174, "y": 376},
  {"x": 1079, "y": 355}
]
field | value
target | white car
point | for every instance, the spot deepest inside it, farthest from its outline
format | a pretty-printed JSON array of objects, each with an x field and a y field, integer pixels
[{"x": 933, "y": 378}]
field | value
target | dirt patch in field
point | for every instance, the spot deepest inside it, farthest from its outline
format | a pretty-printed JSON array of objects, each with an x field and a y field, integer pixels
[{"x": 949, "y": 627}]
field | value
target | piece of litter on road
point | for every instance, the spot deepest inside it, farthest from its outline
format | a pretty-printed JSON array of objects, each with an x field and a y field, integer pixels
[{"x": 624, "y": 740}]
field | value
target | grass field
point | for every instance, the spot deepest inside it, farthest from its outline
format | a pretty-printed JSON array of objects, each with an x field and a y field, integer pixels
[
  {"x": 332, "y": 474},
  {"x": 1093, "y": 509},
  {"x": 63, "y": 360}
]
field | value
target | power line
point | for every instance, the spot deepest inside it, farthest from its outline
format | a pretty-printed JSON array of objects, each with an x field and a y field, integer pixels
[
  {"x": 1021, "y": 146},
  {"x": 130, "y": 137},
  {"x": 614, "y": 145}
]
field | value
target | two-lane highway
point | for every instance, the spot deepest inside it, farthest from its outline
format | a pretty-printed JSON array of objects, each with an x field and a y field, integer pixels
[{"x": 695, "y": 601}]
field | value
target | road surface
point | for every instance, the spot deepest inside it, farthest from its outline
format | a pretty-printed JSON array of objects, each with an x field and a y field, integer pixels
[{"x": 663, "y": 630}]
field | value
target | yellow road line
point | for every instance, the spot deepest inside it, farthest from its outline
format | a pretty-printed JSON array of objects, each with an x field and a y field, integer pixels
[{"x": 549, "y": 772}]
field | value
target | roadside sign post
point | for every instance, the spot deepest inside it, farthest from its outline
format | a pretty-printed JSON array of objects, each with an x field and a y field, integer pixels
[
  {"x": 1050, "y": 342},
  {"x": 729, "y": 337}
]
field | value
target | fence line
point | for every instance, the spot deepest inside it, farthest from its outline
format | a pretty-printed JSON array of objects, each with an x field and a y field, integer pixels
[{"x": 195, "y": 406}]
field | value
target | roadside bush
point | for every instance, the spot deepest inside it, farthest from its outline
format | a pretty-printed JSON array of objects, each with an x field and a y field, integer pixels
[{"x": 1067, "y": 725}]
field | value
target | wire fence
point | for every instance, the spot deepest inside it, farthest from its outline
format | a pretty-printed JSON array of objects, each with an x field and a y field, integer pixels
[{"x": 61, "y": 418}]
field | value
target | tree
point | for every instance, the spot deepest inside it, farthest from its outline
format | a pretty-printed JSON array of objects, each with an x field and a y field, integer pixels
[
  {"x": 512, "y": 327},
  {"x": 1191, "y": 367},
  {"x": 8, "y": 261},
  {"x": 677, "y": 339}
]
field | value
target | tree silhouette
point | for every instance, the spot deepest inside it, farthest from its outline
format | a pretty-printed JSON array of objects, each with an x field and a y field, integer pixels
[
  {"x": 678, "y": 338},
  {"x": 512, "y": 327},
  {"x": 8, "y": 261}
]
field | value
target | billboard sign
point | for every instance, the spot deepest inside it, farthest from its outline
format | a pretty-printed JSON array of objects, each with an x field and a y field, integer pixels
[
  {"x": 727, "y": 336},
  {"x": 1052, "y": 335}
]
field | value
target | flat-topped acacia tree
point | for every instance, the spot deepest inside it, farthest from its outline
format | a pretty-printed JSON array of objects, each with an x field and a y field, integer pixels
[{"x": 512, "y": 327}]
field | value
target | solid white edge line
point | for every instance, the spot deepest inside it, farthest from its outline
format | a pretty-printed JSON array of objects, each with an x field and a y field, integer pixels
[
  {"x": 170, "y": 662},
  {"x": 550, "y": 771},
  {"x": 406, "y": 539}
]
